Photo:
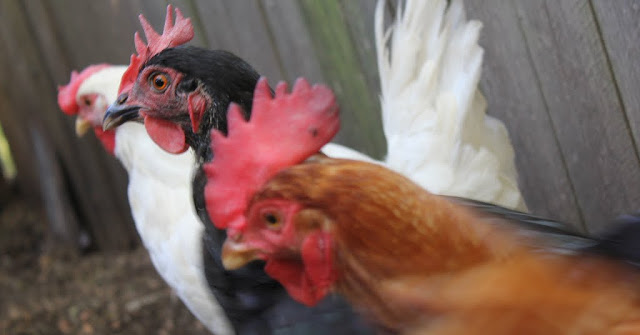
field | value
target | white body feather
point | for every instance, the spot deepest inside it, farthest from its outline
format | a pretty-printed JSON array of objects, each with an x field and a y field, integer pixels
[{"x": 162, "y": 207}]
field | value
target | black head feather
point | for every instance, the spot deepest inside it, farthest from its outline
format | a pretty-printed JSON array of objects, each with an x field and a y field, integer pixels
[{"x": 224, "y": 76}]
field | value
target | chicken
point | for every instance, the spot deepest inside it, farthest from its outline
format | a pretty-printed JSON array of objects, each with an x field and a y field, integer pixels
[
  {"x": 166, "y": 222},
  {"x": 80, "y": 98},
  {"x": 414, "y": 262},
  {"x": 192, "y": 87}
]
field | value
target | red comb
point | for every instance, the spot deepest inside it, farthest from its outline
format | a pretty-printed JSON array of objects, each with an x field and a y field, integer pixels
[
  {"x": 283, "y": 131},
  {"x": 173, "y": 35},
  {"x": 67, "y": 93}
]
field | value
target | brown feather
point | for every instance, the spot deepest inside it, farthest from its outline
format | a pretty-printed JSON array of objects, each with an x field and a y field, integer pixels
[{"x": 420, "y": 264}]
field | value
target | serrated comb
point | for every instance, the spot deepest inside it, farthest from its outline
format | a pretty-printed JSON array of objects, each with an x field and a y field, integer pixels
[{"x": 283, "y": 131}]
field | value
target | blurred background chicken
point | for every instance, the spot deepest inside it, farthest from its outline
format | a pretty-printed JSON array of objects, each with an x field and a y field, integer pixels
[
  {"x": 412, "y": 261},
  {"x": 159, "y": 191}
]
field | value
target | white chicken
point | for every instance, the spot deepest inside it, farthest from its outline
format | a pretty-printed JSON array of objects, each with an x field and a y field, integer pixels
[{"x": 159, "y": 194}]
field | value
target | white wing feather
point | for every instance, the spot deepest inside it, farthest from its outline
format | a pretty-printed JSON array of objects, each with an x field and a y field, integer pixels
[
  {"x": 338, "y": 151},
  {"x": 434, "y": 116}
]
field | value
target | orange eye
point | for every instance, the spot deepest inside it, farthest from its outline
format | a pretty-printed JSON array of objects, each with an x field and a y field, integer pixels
[{"x": 159, "y": 81}]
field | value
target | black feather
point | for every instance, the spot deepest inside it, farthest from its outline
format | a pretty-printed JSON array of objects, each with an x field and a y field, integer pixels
[{"x": 621, "y": 240}]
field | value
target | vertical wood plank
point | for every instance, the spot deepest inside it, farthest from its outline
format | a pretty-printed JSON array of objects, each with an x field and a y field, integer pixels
[
  {"x": 578, "y": 88},
  {"x": 98, "y": 31},
  {"x": 514, "y": 96},
  {"x": 360, "y": 19},
  {"x": 240, "y": 27},
  {"x": 64, "y": 229},
  {"x": 619, "y": 23},
  {"x": 339, "y": 59},
  {"x": 16, "y": 133},
  {"x": 292, "y": 40}
]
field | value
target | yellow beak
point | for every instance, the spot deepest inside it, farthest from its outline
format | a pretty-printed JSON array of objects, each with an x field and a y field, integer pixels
[
  {"x": 82, "y": 126},
  {"x": 236, "y": 255}
]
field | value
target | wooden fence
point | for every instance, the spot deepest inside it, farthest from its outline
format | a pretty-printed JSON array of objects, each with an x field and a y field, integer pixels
[{"x": 564, "y": 75}]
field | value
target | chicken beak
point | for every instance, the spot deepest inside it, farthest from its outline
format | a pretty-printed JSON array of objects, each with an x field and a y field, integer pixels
[
  {"x": 118, "y": 114},
  {"x": 236, "y": 255},
  {"x": 82, "y": 126}
]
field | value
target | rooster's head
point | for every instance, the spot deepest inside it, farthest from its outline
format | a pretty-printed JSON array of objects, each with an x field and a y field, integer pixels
[{"x": 180, "y": 91}]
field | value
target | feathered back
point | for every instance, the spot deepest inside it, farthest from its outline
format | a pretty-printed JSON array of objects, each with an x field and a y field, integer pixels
[
  {"x": 376, "y": 211},
  {"x": 431, "y": 105}
]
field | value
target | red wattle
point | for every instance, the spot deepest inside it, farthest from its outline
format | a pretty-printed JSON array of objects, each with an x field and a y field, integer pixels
[
  {"x": 310, "y": 280},
  {"x": 291, "y": 274},
  {"x": 197, "y": 106},
  {"x": 317, "y": 256},
  {"x": 167, "y": 135}
]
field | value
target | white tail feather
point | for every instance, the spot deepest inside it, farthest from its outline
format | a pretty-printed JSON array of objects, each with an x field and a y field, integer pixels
[{"x": 434, "y": 116}]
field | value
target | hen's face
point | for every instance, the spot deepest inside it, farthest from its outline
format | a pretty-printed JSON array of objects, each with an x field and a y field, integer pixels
[
  {"x": 295, "y": 242},
  {"x": 269, "y": 231},
  {"x": 168, "y": 103},
  {"x": 88, "y": 95},
  {"x": 155, "y": 93},
  {"x": 91, "y": 110}
]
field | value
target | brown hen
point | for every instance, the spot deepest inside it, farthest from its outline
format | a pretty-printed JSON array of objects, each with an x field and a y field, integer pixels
[{"x": 424, "y": 264}]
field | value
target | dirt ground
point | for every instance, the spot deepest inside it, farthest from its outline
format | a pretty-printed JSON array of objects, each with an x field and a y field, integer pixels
[{"x": 98, "y": 293}]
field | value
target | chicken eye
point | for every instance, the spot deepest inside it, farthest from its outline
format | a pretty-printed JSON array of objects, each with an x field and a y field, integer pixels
[
  {"x": 271, "y": 219},
  {"x": 87, "y": 101},
  {"x": 159, "y": 81}
]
